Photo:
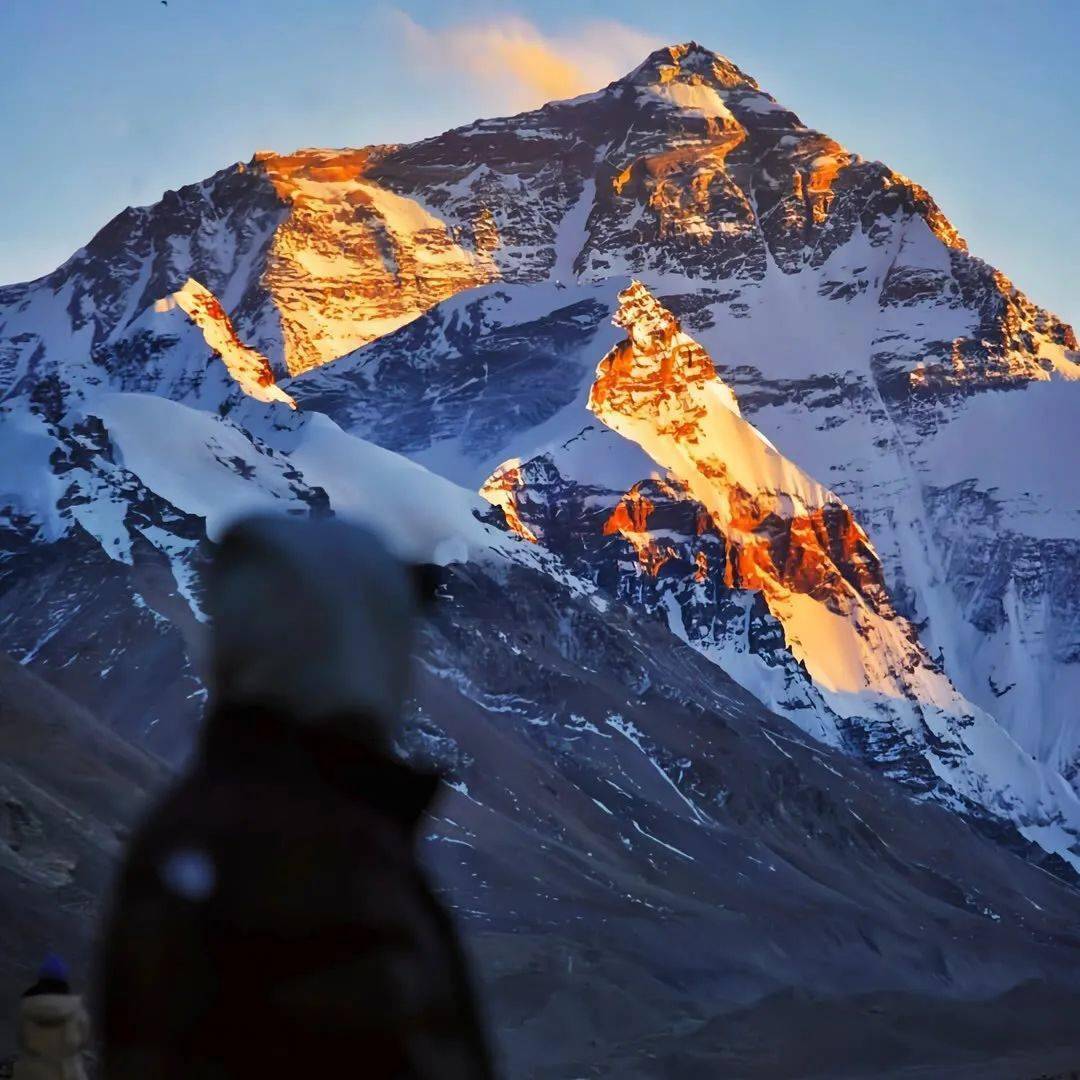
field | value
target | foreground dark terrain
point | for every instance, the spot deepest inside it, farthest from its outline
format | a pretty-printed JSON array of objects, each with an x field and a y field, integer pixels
[{"x": 632, "y": 914}]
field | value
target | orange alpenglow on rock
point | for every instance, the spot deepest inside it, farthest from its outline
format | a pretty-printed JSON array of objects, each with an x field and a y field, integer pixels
[
  {"x": 630, "y": 519},
  {"x": 783, "y": 533},
  {"x": 352, "y": 260},
  {"x": 500, "y": 490},
  {"x": 248, "y": 367},
  {"x": 787, "y": 532},
  {"x": 701, "y": 574}
]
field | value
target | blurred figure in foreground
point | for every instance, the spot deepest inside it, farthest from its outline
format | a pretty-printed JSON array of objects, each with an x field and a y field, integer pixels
[
  {"x": 271, "y": 919},
  {"x": 53, "y": 1028}
]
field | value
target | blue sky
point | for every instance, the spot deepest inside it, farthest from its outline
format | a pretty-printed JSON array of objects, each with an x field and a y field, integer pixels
[{"x": 106, "y": 104}]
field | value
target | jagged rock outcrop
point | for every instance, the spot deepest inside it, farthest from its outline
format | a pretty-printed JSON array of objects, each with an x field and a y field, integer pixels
[{"x": 785, "y": 532}]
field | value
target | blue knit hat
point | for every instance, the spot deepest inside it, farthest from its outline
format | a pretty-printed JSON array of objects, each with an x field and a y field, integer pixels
[{"x": 52, "y": 967}]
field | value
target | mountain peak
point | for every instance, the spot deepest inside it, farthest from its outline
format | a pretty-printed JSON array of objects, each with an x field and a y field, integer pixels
[{"x": 689, "y": 63}]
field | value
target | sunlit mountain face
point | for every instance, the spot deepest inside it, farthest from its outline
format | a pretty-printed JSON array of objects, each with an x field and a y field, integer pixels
[{"x": 756, "y": 491}]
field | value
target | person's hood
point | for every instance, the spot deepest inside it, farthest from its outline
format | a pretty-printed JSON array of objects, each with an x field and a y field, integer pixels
[{"x": 315, "y": 617}]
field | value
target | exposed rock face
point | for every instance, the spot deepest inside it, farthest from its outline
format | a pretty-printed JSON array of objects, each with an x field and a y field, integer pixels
[
  {"x": 785, "y": 532},
  {"x": 306, "y": 258},
  {"x": 215, "y": 232},
  {"x": 501, "y": 489},
  {"x": 352, "y": 260}
]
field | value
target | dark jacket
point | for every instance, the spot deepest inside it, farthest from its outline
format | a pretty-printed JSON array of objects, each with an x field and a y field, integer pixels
[{"x": 272, "y": 921}]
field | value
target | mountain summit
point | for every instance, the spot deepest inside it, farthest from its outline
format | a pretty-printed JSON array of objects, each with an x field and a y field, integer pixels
[{"x": 689, "y": 63}]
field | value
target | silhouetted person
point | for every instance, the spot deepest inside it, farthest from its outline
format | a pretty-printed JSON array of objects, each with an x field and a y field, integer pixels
[
  {"x": 271, "y": 919},
  {"x": 53, "y": 1028}
]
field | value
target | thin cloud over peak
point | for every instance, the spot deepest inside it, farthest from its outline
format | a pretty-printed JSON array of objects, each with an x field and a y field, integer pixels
[{"x": 515, "y": 65}]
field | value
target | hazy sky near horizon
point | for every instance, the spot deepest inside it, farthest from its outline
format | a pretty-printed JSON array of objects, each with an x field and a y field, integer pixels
[{"x": 105, "y": 105}]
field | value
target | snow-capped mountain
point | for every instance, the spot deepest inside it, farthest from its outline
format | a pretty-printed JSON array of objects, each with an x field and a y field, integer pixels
[
  {"x": 691, "y": 512},
  {"x": 843, "y": 309},
  {"x": 762, "y": 448}
]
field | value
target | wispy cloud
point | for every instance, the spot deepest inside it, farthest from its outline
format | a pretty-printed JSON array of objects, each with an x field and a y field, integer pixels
[{"x": 516, "y": 65}]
